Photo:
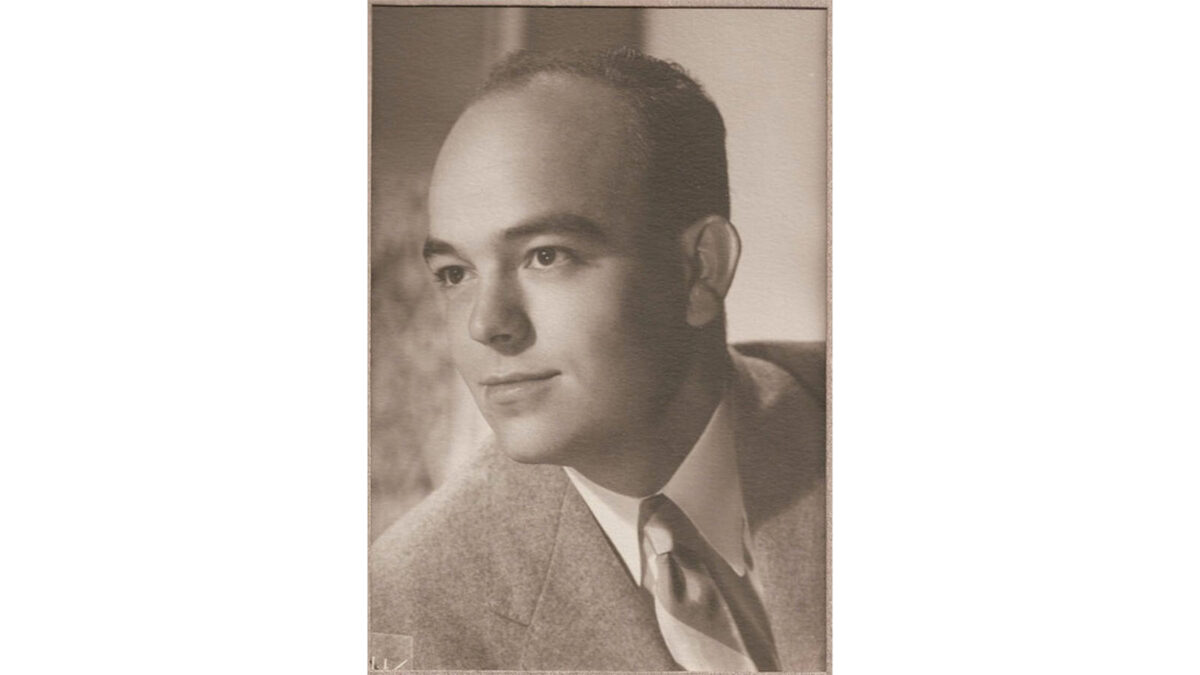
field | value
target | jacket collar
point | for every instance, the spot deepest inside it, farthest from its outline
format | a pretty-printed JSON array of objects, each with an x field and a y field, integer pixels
[{"x": 706, "y": 486}]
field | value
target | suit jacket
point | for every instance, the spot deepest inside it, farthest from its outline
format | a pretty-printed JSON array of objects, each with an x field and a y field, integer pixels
[{"x": 505, "y": 568}]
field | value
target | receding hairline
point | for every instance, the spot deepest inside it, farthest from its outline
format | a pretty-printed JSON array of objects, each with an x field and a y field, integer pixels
[
  {"x": 630, "y": 126},
  {"x": 548, "y": 77},
  {"x": 559, "y": 79}
]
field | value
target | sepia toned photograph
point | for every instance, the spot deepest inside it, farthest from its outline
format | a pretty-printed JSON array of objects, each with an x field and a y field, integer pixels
[
  {"x": 471, "y": 337},
  {"x": 599, "y": 339}
]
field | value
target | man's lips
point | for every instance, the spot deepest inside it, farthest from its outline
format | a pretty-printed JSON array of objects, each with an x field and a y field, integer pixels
[
  {"x": 517, "y": 378},
  {"x": 516, "y": 392}
]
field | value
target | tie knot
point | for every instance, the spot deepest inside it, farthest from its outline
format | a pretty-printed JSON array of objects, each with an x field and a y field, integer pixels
[{"x": 665, "y": 526}]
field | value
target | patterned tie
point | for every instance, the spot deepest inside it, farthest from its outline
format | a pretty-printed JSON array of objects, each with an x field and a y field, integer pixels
[{"x": 709, "y": 617}]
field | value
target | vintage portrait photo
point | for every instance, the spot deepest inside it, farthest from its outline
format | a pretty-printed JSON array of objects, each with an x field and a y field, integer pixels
[
  {"x": 629, "y": 337},
  {"x": 599, "y": 337}
]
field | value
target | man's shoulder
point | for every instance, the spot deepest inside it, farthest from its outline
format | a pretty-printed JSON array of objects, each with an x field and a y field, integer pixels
[
  {"x": 407, "y": 556},
  {"x": 453, "y": 504},
  {"x": 780, "y": 392},
  {"x": 433, "y": 575},
  {"x": 782, "y": 453},
  {"x": 804, "y": 362},
  {"x": 446, "y": 525},
  {"x": 781, "y": 423},
  {"x": 452, "y": 533}
]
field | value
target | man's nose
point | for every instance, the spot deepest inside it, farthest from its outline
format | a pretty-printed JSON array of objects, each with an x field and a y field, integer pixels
[{"x": 498, "y": 319}]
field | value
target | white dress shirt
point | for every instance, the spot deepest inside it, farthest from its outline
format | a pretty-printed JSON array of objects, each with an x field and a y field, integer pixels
[{"x": 706, "y": 486}]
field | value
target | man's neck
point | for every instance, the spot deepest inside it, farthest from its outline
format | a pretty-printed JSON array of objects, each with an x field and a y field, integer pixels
[{"x": 640, "y": 465}]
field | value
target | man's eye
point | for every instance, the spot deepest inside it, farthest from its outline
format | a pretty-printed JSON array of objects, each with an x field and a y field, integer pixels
[
  {"x": 451, "y": 275},
  {"x": 547, "y": 256}
]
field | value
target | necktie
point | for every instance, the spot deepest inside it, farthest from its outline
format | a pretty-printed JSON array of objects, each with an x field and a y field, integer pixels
[{"x": 709, "y": 617}]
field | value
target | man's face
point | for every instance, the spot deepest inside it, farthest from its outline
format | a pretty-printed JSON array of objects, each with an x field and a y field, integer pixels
[{"x": 559, "y": 315}]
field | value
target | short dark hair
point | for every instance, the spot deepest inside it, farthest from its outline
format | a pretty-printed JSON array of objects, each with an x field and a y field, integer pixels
[{"x": 682, "y": 135}]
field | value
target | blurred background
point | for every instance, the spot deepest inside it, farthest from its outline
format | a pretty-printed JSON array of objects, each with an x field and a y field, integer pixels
[{"x": 764, "y": 68}]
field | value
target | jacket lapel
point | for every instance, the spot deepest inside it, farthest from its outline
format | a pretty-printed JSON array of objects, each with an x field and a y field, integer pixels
[
  {"x": 554, "y": 572},
  {"x": 591, "y": 616}
]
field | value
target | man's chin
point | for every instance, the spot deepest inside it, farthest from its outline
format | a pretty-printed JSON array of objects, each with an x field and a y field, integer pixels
[{"x": 522, "y": 446}]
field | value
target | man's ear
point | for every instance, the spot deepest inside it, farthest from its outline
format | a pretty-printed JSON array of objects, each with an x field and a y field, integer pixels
[{"x": 711, "y": 247}]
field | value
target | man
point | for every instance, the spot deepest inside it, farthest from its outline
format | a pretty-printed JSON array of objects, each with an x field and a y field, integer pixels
[{"x": 652, "y": 499}]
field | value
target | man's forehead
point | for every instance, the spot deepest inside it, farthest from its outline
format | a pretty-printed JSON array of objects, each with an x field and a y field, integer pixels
[
  {"x": 558, "y": 99},
  {"x": 549, "y": 116},
  {"x": 555, "y": 144}
]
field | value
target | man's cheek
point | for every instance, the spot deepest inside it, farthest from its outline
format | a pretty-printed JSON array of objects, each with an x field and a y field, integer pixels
[
  {"x": 570, "y": 312},
  {"x": 457, "y": 340},
  {"x": 456, "y": 315}
]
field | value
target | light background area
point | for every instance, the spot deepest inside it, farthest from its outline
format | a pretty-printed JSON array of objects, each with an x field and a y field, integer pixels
[
  {"x": 764, "y": 68},
  {"x": 768, "y": 79}
]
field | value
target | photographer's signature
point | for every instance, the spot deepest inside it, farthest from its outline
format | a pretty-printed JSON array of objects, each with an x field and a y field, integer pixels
[{"x": 384, "y": 665}]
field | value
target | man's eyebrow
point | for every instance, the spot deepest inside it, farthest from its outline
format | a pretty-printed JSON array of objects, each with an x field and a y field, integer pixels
[
  {"x": 553, "y": 223},
  {"x": 438, "y": 247},
  {"x": 557, "y": 223}
]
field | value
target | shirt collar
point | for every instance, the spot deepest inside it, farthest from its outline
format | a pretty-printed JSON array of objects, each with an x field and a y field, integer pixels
[{"x": 706, "y": 486}]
